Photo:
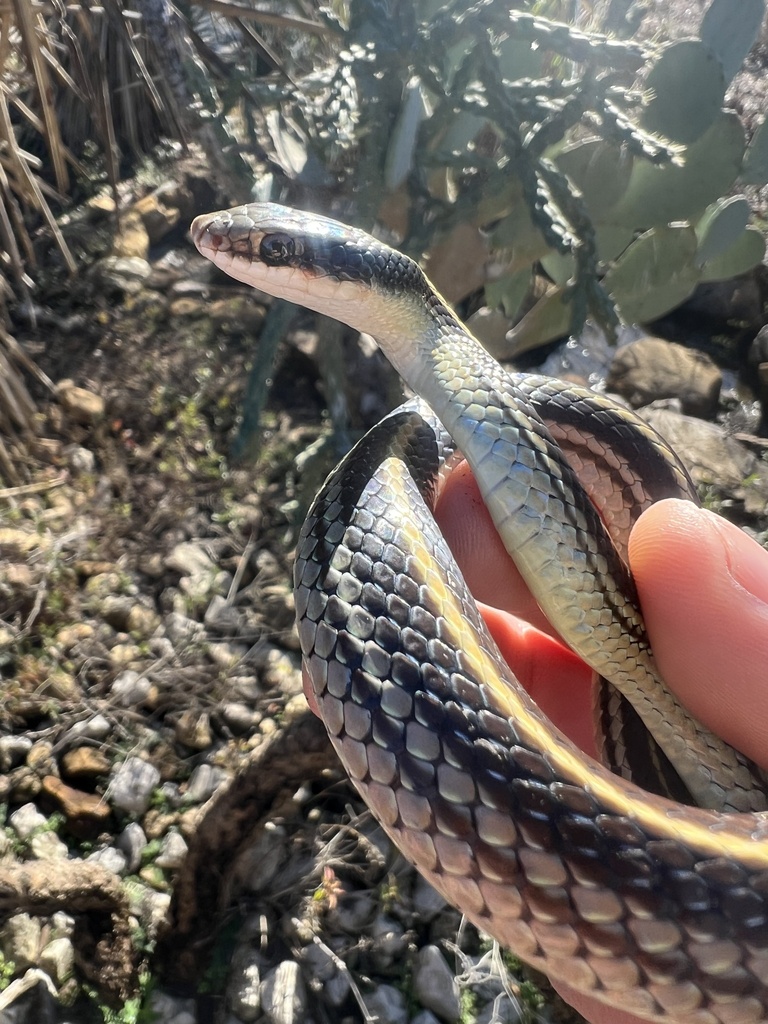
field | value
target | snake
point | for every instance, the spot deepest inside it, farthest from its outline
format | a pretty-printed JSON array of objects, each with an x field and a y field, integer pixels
[{"x": 652, "y": 902}]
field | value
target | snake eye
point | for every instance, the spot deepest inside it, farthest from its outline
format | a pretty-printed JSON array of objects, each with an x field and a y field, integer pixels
[{"x": 276, "y": 249}]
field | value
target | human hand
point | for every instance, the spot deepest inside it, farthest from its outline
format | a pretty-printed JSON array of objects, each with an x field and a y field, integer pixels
[{"x": 703, "y": 586}]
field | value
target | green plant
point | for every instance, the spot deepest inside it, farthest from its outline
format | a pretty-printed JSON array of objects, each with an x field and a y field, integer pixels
[{"x": 600, "y": 158}]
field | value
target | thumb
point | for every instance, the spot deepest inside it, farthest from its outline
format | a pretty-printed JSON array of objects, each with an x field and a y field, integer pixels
[{"x": 703, "y": 587}]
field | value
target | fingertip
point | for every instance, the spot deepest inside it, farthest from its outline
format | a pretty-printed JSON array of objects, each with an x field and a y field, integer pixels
[{"x": 703, "y": 587}]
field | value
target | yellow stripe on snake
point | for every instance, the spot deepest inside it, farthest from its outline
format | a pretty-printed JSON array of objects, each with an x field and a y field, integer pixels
[{"x": 649, "y": 905}]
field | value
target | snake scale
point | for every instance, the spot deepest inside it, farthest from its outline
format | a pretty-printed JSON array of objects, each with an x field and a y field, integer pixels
[{"x": 650, "y": 905}]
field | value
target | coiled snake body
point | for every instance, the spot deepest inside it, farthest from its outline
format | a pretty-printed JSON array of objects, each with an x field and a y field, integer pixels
[{"x": 651, "y": 906}]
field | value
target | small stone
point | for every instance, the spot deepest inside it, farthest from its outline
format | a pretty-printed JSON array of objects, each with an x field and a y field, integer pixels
[
  {"x": 48, "y": 846},
  {"x": 283, "y": 996},
  {"x": 259, "y": 865},
  {"x": 653, "y": 368},
  {"x": 97, "y": 727},
  {"x": 57, "y": 959},
  {"x": 40, "y": 757},
  {"x": 389, "y": 942},
  {"x": 425, "y": 1017},
  {"x": 110, "y": 858},
  {"x": 183, "y": 631},
  {"x": 221, "y": 617},
  {"x": 203, "y": 783},
  {"x": 354, "y": 912},
  {"x": 62, "y": 925},
  {"x": 434, "y": 984},
  {"x": 387, "y": 1004},
  {"x": 23, "y": 784},
  {"x": 131, "y": 786},
  {"x": 122, "y": 273},
  {"x": 239, "y": 717},
  {"x": 19, "y": 543},
  {"x": 73, "y": 634},
  {"x": 80, "y": 405},
  {"x": 79, "y": 459},
  {"x": 170, "y": 1009},
  {"x": 20, "y": 940},
  {"x": 190, "y": 559},
  {"x": 125, "y": 655},
  {"x": 131, "y": 241},
  {"x": 132, "y": 843},
  {"x": 13, "y": 751},
  {"x": 61, "y": 685},
  {"x": 85, "y": 763},
  {"x": 26, "y": 820},
  {"x": 142, "y": 621},
  {"x": 172, "y": 852},
  {"x": 76, "y": 805},
  {"x": 130, "y": 689},
  {"x": 193, "y": 729},
  {"x": 244, "y": 986}
]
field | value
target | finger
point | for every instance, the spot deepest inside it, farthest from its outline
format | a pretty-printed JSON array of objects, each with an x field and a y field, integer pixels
[{"x": 703, "y": 587}]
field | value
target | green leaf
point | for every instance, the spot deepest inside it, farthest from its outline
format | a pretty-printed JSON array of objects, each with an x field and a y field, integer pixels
[
  {"x": 746, "y": 252},
  {"x": 755, "y": 170},
  {"x": 508, "y": 291},
  {"x": 658, "y": 195},
  {"x": 549, "y": 318},
  {"x": 599, "y": 170},
  {"x": 516, "y": 239},
  {"x": 655, "y": 274},
  {"x": 688, "y": 86},
  {"x": 719, "y": 227},
  {"x": 729, "y": 28},
  {"x": 559, "y": 266}
]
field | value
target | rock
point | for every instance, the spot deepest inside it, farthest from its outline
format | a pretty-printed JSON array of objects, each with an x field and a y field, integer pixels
[
  {"x": 203, "y": 783},
  {"x": 73, "y": 634},
  {"x": 77, "y": 807},
  {"x": 110, "y": 858},
  {"x": 168, "y": 1009},
  {"x": 125, "y": 274},
  {"x": 172, "y": 852},
  {"x": 130, "y": 689},
  {"x": 354, "y": 912},
  {"x": 131, "y": 785},
  {"x": 239, "y": 717},
  {"x": 17, "y": 544},
  {"x": 40, "y": 757},
  {"x": 502, "y": 1010},
  {"x": 57, "y": 959},
  {"x": 96, "y": 727},
  {"x": 79, "y": 459},
  {"x": 85, "y": 763},
  {"x": 13, "y": 751},
  {"x": 244, "y": 985},
  {"x": 48, "y": 846},
  {"x": 183, "y": 631},
  {"x": 131, "y": 240},
  {"x": 82, "y": 406},
  {"x": 132, "y": 843},
  {"x": 434, "y": 984},
  {"x": 26, "y": 820},
  {"x": 142, "y": 621},
  {"x": 221, "y": 617},
  {"x": 387, "y": 1004},
  {"x": 193, "y": 729},
  {"x": 259, "y": 864},
  {"x": 425, "y": 1017},
  {"x": 711, "y": 457},
  {"x": 158, "y": 212},
  {"x": 190, "y": 559},
  {"x": 114, "y": 609},
  {"x": 61, "y": 685},
  {"x": 20, "y": 940},
  {"x": 125, "y": 654},
  {"x": 283, "y": 996},
  {"x": 651, "y": 368},
  {"x": 389, "y": 942}
]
